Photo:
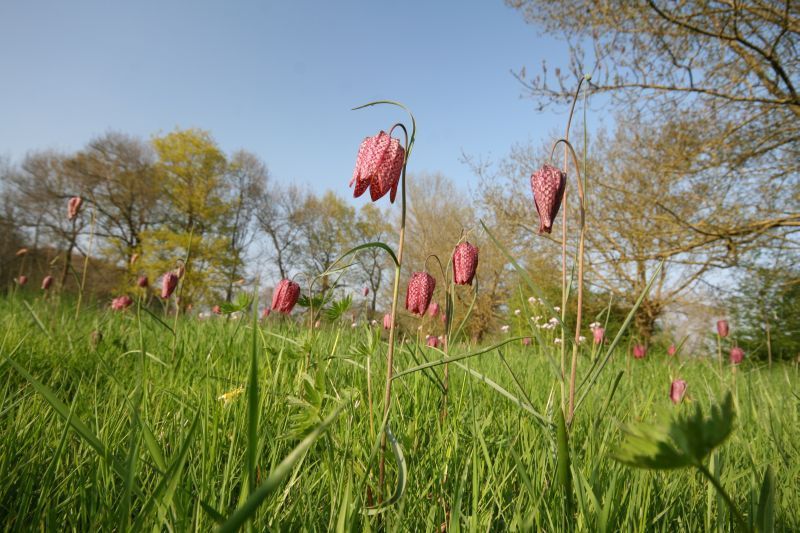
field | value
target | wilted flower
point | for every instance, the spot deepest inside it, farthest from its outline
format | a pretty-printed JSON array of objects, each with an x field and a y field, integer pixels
[
  {"x": 217, "y": 310},
  {"x": 433, "y": 309},
  {"x": 737, "y": 355},
  {"x": 598, "y": 333},
  {"x": 677, "y": 390},
  {"x": 265, "y": 313},
  {"x": 639, "y": 351},
  {"x": 378, "y": 166},
  {"x": 547, "y": 185},
  {"x": 432, "y": 341},
  {"x": 168, "y": 284},
  {"x": 22, "y": 280},
  {"x": 73, "y": 207},
  {"x": 142, "y": 282},
  {"x": 365, "y": 291},
  {"x": 387, "y": 321},
  {"x": 46, "y": 282},
  {"x": 722, "y": 328},
  {"x": 526, "y": 341},
  {"x": 420, "y": 292},
  {"x": 671, "y": 351},
  {"x": 285, "y": 296},
  {"x": 21, "y": 252},
  {"x": 120, "y": 303},
  {"x": 465, "y": 263}
]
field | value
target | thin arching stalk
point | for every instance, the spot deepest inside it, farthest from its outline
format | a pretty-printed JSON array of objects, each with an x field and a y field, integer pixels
[{"x": 387, "y": 396}]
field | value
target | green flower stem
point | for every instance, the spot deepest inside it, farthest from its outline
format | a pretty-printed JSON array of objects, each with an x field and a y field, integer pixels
[{"x": 742, "y": 524}]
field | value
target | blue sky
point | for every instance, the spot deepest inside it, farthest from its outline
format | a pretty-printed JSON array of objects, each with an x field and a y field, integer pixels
[{"x": 275, "y": 78}]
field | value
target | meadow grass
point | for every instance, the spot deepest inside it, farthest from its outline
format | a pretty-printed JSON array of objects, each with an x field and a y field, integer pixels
[{"x": 167, "y": 439}]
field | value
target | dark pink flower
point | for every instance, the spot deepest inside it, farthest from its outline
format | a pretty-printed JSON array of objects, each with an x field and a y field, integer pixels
[
  {"x": 598, "y": 333},
  {"x": 547, "y": 185},
  {"x": 677, "y": 390},
  {"x": 432, "y": 341},
  {"x": 22, "y": 280},
  {"x": 737, "y": 355},
  {"x": 378, "y": 166},
  {"x": 142, "y": 282},
  {"x": 217, "y": 310},
  {"x": 671, "y": 351},
  {"x": 639, "y": 351},
  {"x": 120, "y": 303},
  {"x": 387, "y": 321},
  {"x": 73, "y": 207},
  {"x": 433, "y": 309},
  {"x": 365, "y": 291},
  {"x": 285, "y": 296},
  {"x": 465, "y": 263},
  {"x": 46, "y": 282},
  {"x": 168, "y": 284},
  {"x": 420, "y": 292},
  {"x": 722, "y": 328},
  {"x": 526, "y": 341}
]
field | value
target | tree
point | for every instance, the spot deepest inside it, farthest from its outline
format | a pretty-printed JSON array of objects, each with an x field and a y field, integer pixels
[
  {"x": 117, "y": 176},
  {"x": 277, "y": 209},
  {"x": 372, "y": 226}
]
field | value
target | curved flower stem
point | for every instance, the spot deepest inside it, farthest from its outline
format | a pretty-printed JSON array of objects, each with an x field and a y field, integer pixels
[
  {"x": 564, "y": 285},
  {"x": 387, "y": 398}
]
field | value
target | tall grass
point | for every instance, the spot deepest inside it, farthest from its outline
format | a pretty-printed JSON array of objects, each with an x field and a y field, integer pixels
[{"x": 156, "y": 440}]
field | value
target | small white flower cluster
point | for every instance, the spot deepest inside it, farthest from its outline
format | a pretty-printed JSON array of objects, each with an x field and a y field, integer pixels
[
  {"x": 556, "y": 308},
  {"x": 517, "y": 312},
  {"x": 594, "y": 325},
  {"x": 581, "y": 339},
  {"x": 504, "y": 329},
  {"x": 533, "y": 301},
  {"x": 550, "y": 324},
  {"x": 374, "y": 323},
  {"x": 203, "y": 315},
  {"x": 536, "y": 318},
  {"x": 557, "y": 340},
  {"x": 354, "y": 325}
]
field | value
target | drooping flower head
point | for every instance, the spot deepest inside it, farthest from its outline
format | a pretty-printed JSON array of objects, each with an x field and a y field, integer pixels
[
  {"x": 639, "y": 351},
  {"x": 722, "y": 328},
  {"x": 526, "y": 341},
  {"x": 432, "y": 341},
  {"x": 120, "y": 303},
  {"x": 420, "y": 292},
  {"x": 22, "y": 280},
  {"x": 378, "y": 166},
  {"x": 73, "y": 207},
  {"x": 142, "y": 282},
  {"x": 387, "y": 321},
  {"x": 21, "y": 252},
  {"x": 365, "y": 291},
  {"x": 285, "y": 296},
  {"x": 677, "y": 391},
  {"x": 168, "y": 284},
  {"x": 217, "y": 310},
  {"x": 433, "y": 309},
  {"x": 598, "y": 333},
  {"x": 671, "y": 351},
  {"x": 547, "y": 185},
  {"x": 46, "y": 282},
  {"x": 465, "y": 263},
  {"x": 737, "y": 355}
]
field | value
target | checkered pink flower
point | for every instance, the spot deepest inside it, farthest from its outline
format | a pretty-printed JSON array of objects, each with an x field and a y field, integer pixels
[
  {"x": 120, "y": 303},
  {"x": 671, "y": 351},
  {"x": 142, "y": 282},
  {"x": 432, "y": 341},
  {"x": 639, "y": 351},
  {"x": 737, "y": 355},
  {"x": 387, "y": 321},
  {"x": 598, "y": 334},
  {"x": 22, "y": 280},
  {"x": 378, "y": 166},
  {"x": 46, "y": 282},
  {"x": 217, "y": 310},
  {"x": 365, "y": 291},
  {"x": 433, "y": 309},
  {"x": 168, "y": 284},
  {"x": 285, "y": 296},
  {"x": 420, "y": 292},
  {"x": 465, "y": 263},
  {"x": 73, "y": 207},
  {"x": 722, "y": 328},
  {"x": 677, "y": 391},
  {"x": 547, "y": 185}
]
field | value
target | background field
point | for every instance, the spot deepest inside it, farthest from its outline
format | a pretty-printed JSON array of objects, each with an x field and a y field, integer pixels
[{"x": 488, "y": 465}]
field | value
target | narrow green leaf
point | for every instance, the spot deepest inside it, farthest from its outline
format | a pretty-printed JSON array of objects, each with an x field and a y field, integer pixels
[{"x": 765, "y": 516}]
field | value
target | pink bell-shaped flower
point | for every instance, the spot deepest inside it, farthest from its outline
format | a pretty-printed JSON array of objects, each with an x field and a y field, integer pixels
[
  {"x": 168, "y": 284},
  {"x": 46, "y": 282},
  {"x": 420, "y": 292},
  {"x": 387, "y": 321},
  {"x": 737, "y": 355},
  {"x": 73, "y": 207},
  {"x": 677, "y": 391},
  {"x": 722, "y": 328},
  {"x": 142, "y": 282},
  {"x": 285, "y": 296},
  {"x": 598, "y": 334},
  {"x": 465, "y": 263},
  {"x": 378, "y": 166},
  {"x": 547, "y": 185},
  {"x": 120, "y": 303},
  {"x": 639, "y": 351},
  {"x": 432, "y": 341},
  {"x": 671, "y": 351}
]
